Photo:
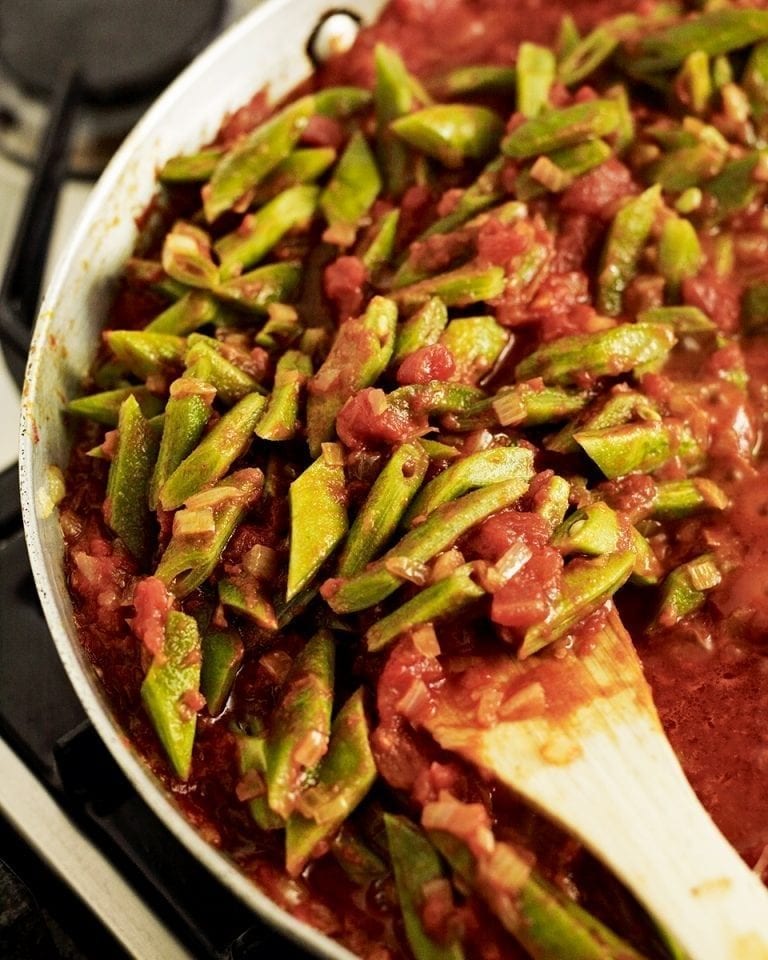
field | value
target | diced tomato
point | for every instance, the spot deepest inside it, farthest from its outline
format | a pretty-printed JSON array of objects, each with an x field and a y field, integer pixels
[
  {"x": 429, "y": 363},
  {"x": 498, "y": 242},
  {"x": 367, "y": 420},
  {"x": 442, "y": 250},
  {"x": 718, "y": 297},
  {"x": 577, "y": 239},
  {"x": 415, "y": 211},
  {"x": 323, "y": 132},
  {"x": 151, "y": 601},
  {"x": 498, "y": 533},
  {"x": 598, "y": 192},
  {"x": 244, "y": 120},
  {"x": 527, "y": 598},
  {"x": 343, "y": 282}
]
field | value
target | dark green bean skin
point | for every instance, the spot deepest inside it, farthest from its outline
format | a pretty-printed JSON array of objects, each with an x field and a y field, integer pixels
[
  {"x": 627, "y": 237},
  {"x": 562, "y": 128},
  {"x": 145, "y": 354},
  {"x": 354, "y": 186},
  {"x": 105, "y": 407},
  {"x": 344, "y": 777},
  {"x": 185, "y": 315},
  {"x": 126, "y": 508},
  {"x": 384, "y": 507},
  {"x": 169, "y": 678},
  {"x": 280, "y": 420},
  {"x": 422, "y": 329},
  {"x": 451, "y": 132},
  {"x": 246, "y": 597},
  {"x": 186, "y": 416},
  {"x": 222, "y": 654}
]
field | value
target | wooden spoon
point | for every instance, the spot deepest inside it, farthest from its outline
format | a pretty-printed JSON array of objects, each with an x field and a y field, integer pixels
[{"x": 578, "y": 736}]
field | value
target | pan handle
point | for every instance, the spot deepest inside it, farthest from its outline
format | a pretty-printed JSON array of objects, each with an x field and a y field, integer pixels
[{"x": 20, "y": 288}]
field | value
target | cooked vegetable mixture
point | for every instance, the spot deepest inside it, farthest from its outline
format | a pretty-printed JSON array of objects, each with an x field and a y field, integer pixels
[{"x": 453, "y": 354}]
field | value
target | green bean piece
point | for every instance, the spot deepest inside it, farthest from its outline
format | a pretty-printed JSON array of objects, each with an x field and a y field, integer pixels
[
  {"x": 647, "y": 570},
  {"x": 630, "y": 448},
  {"x": 456, "y": 288},
  {"x": 546, "y": 921},
  {"x": 562, "y": 128},
  {"x": 617, "y": 408},
  {"x": 587, "y": 584},
  {"x": 685, "y": 589},
  {"x": 105, "y": 407},
  {"x": 231, "y": 383},
  {"x": 280, "y": 420},
  {"x": 438, "y": 398},
  {"x": 594, "y": 50},
  {"x": 568, "y": 37},
  {"x": 754, "y": 308},
  {"x": 395, "y": 94},
  {"x": 735, "y": 188},
  {"x": 593, "y": 530},
  {"x": 416, "y": 864},
  {"x": 677, "y": 499},
  {"x": 439, "y": 451},
  {"x": 244, "y": 596},
  {"x": 252, "y": 755},
  {"x": 607, "y": 353},
  {"x": 571, "y": 162},
  {"x": 172, "y": 677},
  {"x": 472, "y": 472},
  {"x": 301, "y": 726},
  {"x": 341, "y": 102},
  {"x": 476, "y": 343},
  {"x": 256, "y": 290},
  {"x": 451, "y": 132},
  {"x": 259, "y": 232},
  {"x": 145, "y": 354},
  {"x": 683, "y": 319},
  {"x": 222, "y": 653},
  {"x": 190, "y": 312},
  {"x": 380, "y": 250},
  {"x": 215, "y": 454},
  {"x": 694, "y": 82},
  {"x": 318, "y": 520},
  {"x": 531, "y": 404},
  {"x": 353, "y": 187},
  {"x": 680, "y": 253},
  {"x": 355, "y": 857},
  {"x": 679, "y": 170},
  {"x": 479, "y": 195},
  {"x": 360, "y": 354},
  {"x": 344, "y": 777},
  {"x": 187, "y": 256},
  {"x": 384, "y": 507},
  {"x": 445, "y": 598},
  {"x": 551, "y": 501},
  {"x": 304, "y": 165},
  {"x": 126, "y": 509},
  {"x": 439, "y": 532},
  {"x": 249, "y": 162},
  {"x": 627, "y": 238},
  {"x": 478, "y": 79},
  {"x": 189, "y": 561},
  {"x": 624, "y": 135},
  {"x": 189, "y": 168},
  {"x": 422, "y": 329},
  {"x": 281, "y": 329},
  {"x": 535, "y": 75},
  {"x": 186, "y": 415},
  {"x": 754, "y": 81},
  {"x": 714, "y": 32}
]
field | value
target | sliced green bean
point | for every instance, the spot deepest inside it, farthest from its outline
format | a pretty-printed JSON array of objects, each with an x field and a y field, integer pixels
[
  {"x": 617, "y": 408},
  {"x": 232, "y": 383},
  {"x": 395, "y": 94},
  {"x": 677, "y": 499},
  {"x": 261, "y": 231},
  {"x": 244, "y": 596},
  {"x": 478, "y": 79},
  {"x": 533, "y": 405},
  {"x": 422, "y": 329},
  {"x": 360, "y": 354},
  {"x": 105, "y": 407},
  {"x": 343, "y": 778},
  {"x": 691, "y": 166},
  {"x": 473, "y": 472},
  {"x": 318, "y": 521},
  {"x": 126, "y": 509},
  {"x": 173, "y": 676},
  {"x": 479, "y": 196},
  {"x": 586, "y": 585},
  {"x": 535, "y": 75},
  {"x": 627, "y": 238},
  {"x": 594, "y": 50},
  {"x": 256, "y": 290},
  {"x": 356, "y": 858},
  {"x": 186, "y": 415},
  {"x": 562, "y": 128},
  {"x": 685, "y": 589},
  {"x": 304, "y": 165},
  {"x": 457, "y": 288},
  {"x": 475, "y": 343},
  {"x": 608, "y": 353},
  {"x": 187, "y": 256},
  {"x": 354, "y": 186},
  {"x": 222, "y": 653},
  {"x": 735, "y": 188},
  {"x": 301, "y": 726},
  {"x": 416, "y": 864},
  {"x": 683, "y": 319},
  {"x": 451, "y": 132},
  {"x": 215, "y": 454},
  {"x": 379, "y": 252},
  {"x": 631, "y": 448},
  {"x": 592, "y": 530},
  {"x": 252, "y": 754},
  {"x": 680, "y": 253},
  {"x": 384, "y": 507},
  {"x": 439, "y": 532},
  {"x": 189, "y": 168},
  {"x": 146, "y": 354},
  {"x": 572, "y": 162},
  {"x": 551, "y": 501},
  {"x": 190, "y": 312},
  {"x": 189, "y": 561},
  {"x": 280, "y": 421}
]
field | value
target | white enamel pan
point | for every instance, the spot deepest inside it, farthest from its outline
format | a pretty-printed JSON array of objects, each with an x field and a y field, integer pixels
[{"x": 266, "y": 48}]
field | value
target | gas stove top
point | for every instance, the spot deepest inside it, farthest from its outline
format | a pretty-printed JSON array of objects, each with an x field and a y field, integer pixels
[{"x": 86, "y": 869}]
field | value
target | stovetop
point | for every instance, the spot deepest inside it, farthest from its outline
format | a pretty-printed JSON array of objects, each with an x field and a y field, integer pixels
[{"x": 86, "y": 869}]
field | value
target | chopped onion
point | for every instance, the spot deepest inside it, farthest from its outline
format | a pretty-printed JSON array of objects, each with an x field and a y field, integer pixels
[
  {"x": 468, "y": 821},
  {"x": 277, "y": 663},
  {"x": 509, "y": 408},
  {"x": 414, "y": 700},
  {"x": 446, "y": 564},
  {"x": 213, "y": 498},
  {"x": 505, "y": 870},
  {"x": 546, "y": 172},
  {"x": 194, "y": 523},
  {"x": 425, "y": 640},
  {"x": 333, "y": 454},
  {"x": 193, "y": 387},
  {"x": 477, "y": 440},
  {"x": 260, "y": 562},
  {"x": 531, "y": 700},
  {"x": 406, "y": 569},
  {"x": 703, "y": 573}
]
